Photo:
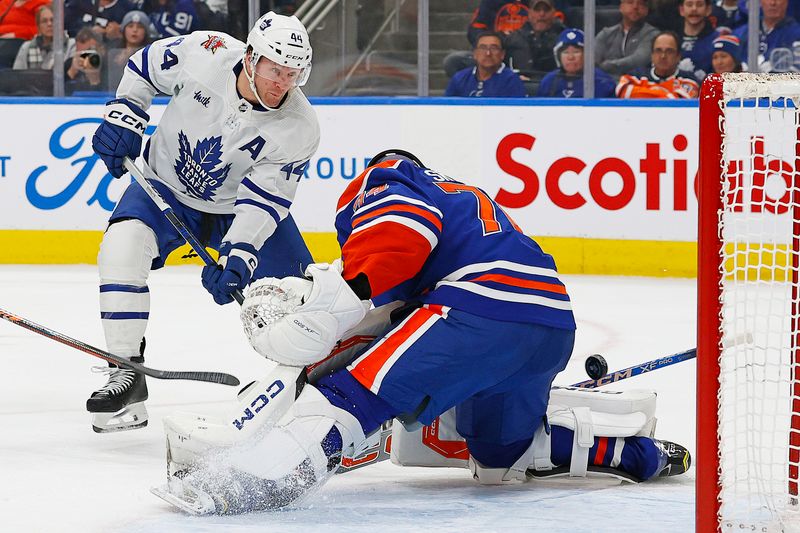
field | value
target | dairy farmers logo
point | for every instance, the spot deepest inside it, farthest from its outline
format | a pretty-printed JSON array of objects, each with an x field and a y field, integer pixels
[
  {"x": 62, "y": 147},
  {"x": 199, "y": 169}
]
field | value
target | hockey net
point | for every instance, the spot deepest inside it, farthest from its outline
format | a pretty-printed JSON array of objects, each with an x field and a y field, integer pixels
[{"x": 748, "y": 411}]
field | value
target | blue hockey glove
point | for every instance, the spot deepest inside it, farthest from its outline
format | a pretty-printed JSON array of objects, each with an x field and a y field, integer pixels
[
  {"x": 120, "y": 134},
  {"x": 222, "y": 281}
]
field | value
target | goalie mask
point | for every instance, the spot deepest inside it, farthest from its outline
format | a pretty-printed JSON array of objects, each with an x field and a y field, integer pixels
[
  {"x": 395, "y": 154},
  {"x": 278, "y": 51}
]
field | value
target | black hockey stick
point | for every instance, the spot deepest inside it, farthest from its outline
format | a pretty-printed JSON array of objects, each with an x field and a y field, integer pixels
[
  {"x": 210, "y": 377},
  {"x": 174, "y": 220}
]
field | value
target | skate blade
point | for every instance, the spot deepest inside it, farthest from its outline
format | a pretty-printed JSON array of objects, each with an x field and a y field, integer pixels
[
  {"x": 185, "y": 497},
  {"x": 132, "y": 416}
]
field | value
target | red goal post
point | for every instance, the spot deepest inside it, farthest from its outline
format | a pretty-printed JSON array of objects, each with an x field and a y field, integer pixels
[{"x": 748, "y": 394}]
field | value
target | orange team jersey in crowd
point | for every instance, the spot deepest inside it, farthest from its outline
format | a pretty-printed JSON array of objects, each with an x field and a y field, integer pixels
[
  {"x": 20, "y": 20},
  {"x": 510, "y": 17},
  {"x": 630, "y": 86}
]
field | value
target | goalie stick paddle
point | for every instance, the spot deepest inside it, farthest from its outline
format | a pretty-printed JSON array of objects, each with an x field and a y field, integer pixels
[
  {"x": 174, "y": 220},
  {"x": 210, "y": 377}
]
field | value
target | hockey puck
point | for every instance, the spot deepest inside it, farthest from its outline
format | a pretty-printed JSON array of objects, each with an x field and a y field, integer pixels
[{"x": 596, "y": 366}]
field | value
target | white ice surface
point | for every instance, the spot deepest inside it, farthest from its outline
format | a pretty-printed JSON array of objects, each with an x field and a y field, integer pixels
[{"x": 57, "y": 475}]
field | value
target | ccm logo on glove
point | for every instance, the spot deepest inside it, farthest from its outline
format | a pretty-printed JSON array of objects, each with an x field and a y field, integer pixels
[
  {"x": 129, "y": 121},
  {"x": 259, "y": 403}
]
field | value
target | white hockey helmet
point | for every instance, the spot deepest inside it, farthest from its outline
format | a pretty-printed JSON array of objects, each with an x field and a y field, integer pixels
[{"x": 283, "y": 40}]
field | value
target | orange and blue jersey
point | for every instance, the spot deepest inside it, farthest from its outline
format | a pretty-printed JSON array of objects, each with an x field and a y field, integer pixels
[{"x": 420, "y": 236}]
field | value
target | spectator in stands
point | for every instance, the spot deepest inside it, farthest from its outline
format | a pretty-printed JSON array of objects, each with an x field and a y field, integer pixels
[
  {"x": 663, "y": 79},
  {"x": 174, "y": 17},
  {"x": 38, "y": 52},
  {"x": 567, "y": 80},
  {"x": 697, "y": 37},
  {"x": 214, "y": 14},
  {"x": 18, "y": 18},
  {"x": 135, "y": 28},
  {"x": 101, "y": 16},
  {"x": 729, "y": 15},
  {"x": 727, "y": 55},
  {"x": 777, "y": 36},
  {"x": 625, "y": 47},
  {"x": 502, "y": 16},
  {"x": 86, "y": 69},
  {"x": 664, "y": 15},
  {"x": 530, "y": 49},
  {"x": 490, "y": 77},
  {"x": 794, "y": 11}
]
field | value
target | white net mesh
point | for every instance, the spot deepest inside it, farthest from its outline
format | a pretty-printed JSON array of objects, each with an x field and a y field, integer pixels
[{"x": 759, "y": 423}]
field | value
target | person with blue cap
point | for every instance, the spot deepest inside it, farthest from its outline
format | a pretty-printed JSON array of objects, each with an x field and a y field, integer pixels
[
  {"x": 567, "y": 80},
  {"x": 727, "y": 54}
]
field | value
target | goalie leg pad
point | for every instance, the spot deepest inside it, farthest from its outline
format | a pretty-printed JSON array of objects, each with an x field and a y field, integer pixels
[
  {"x": 124, "y": 261},
  {"x": 259, "y": 457},
  {"x": 587, "y": 413}
]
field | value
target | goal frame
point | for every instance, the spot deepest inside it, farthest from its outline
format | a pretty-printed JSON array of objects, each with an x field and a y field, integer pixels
[{"x": 711, "y": 177}]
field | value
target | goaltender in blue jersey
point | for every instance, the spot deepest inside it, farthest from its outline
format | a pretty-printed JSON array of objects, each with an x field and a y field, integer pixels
[
  {"x": 419, "y": 235},
  {"x": 228, "y": 154},
  {"x": 482, "y": 326}
]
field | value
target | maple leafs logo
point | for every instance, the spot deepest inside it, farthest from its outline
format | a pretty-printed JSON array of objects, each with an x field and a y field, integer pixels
[{"x": 197, "y": 169}]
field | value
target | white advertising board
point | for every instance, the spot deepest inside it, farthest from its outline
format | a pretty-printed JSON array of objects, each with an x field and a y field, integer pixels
[{"x": 609, "y": 172}]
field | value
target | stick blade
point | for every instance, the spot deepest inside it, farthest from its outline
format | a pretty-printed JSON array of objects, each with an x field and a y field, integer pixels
[{"x": 220, "y": 378}]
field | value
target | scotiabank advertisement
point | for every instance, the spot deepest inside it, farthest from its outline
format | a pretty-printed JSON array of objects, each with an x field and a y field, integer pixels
[
  {"x": 613, "y": 172},
  {"x": 596, "y": 172}
]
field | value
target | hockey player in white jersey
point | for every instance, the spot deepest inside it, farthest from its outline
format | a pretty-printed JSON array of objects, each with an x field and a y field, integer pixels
[{"x": 228, "y": 153}]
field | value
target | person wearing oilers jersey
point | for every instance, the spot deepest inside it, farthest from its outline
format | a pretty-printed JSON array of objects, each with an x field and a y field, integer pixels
[
  {"x": 487, "y": 324},
  {"x": 228, "y": 153}
]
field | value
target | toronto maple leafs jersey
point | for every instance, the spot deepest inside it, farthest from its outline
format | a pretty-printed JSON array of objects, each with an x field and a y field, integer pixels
[
  {"x": 213, "y": 149},
  {"x": 421, "y": 236}
]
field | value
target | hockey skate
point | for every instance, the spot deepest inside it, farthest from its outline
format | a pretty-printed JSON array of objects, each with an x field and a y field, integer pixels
[
  {"x": 678, "y": 460},
  {"x": 119, "y": 404}
]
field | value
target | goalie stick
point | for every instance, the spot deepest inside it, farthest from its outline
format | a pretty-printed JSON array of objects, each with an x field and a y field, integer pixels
[
  {"x": 174, "y": 220},
  {"x": 655, "y": 364},
  {"x": 638, "y": 369},
  {"x": 210, "y": 377}
]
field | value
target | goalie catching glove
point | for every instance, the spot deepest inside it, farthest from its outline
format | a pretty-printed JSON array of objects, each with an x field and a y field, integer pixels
[{"x": 296, "y": 321}]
